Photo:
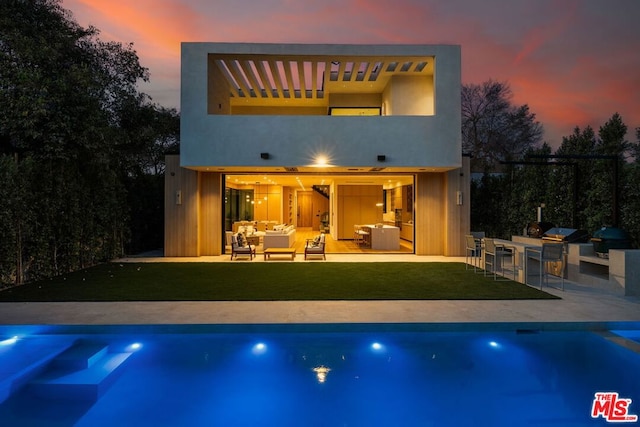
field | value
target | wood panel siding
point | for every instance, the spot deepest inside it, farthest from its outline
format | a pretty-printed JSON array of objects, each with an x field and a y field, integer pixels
[
  {"x": 210, "y": 214},
  {"x": 180, "y": 216},
  {"x": 429, "y": 214},
  {"x": 457, "y": 215}
]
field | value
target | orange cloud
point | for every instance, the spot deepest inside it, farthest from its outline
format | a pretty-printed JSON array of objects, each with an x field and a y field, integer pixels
[
  {"x": 159, "y": 25},
  {"x": 572, "y": 62}
]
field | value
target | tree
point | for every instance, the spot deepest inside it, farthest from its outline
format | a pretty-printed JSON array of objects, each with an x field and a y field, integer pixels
[
  {"x": 528, "y": 189},
  {"x": 493, "y": 129},
  {"x": 605, "y": 189},
  {"x": 75, "y": 134},
  {"x": 150, "y": 132},
  {"x": 630, "y": 200},
  {"x": 576, "y": 184}
]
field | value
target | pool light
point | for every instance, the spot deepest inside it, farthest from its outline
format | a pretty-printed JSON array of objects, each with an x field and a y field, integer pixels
[
  {"x": 259, "y": 348},
  {"x": 376, "y": 346},
  {"x": 134, "y": 347},
  {"x": 494, "y": 344},
  {"x": 9, "y": 341}
]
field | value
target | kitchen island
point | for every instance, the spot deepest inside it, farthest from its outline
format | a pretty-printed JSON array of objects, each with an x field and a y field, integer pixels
[{"x": 386, "y": 237}]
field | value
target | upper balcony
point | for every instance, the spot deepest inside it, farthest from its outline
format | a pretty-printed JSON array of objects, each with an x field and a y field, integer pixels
[
  {"x": 294, "y": 101},
  {"x": 320, "y": 85}
]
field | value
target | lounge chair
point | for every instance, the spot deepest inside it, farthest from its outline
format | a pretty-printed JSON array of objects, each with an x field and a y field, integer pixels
[
  {"x": 315, "y": 247},
  {"x": 241, "y": 248}
]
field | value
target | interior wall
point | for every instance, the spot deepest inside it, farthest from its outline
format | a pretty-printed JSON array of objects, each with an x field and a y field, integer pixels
[
  {"x": 217, "y": 90},
  {"x": 355, "y": 100},
  {"x": 409, "y": 96},
  {"x": 267, "y": 202},
  {"x": 357, "y": 205},
  {"x": 240, "y": 110}
]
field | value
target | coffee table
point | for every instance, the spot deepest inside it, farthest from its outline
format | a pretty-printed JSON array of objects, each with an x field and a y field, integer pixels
[{"x": 279, "y": 251}]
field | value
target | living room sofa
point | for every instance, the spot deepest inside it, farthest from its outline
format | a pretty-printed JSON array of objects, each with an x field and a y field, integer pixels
[{"x": 282, "y": 237}]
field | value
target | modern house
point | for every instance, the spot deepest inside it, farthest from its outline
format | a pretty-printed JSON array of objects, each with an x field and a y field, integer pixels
[{"x": 322, "y": 137}]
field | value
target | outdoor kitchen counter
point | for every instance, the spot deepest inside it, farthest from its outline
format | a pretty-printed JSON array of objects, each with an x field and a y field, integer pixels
[
  {"x": 619, "y": 274},
  {"x": 519, "y": 249}
]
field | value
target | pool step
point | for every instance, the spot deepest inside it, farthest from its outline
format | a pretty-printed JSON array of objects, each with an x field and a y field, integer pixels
[
  {"x": 82, "y": 372},
  {"x": 24, "y": 359}
]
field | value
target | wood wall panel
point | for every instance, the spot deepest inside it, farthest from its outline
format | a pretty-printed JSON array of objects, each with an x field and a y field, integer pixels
[
  {"x": 349, "y": 215},
  {"x": 305, "y": 209},
  {"x": 210, "y": 214},
  {"x": 357, "y": 205},
  {"x": 457, "y": 216},
  {"x": 181, "y": 220},
  {"x": 270, "y": 209},
  {"x": 429, "y": 214}
]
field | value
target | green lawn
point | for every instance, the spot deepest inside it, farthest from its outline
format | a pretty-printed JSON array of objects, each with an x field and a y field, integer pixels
[{"x": 273, "y": 281}]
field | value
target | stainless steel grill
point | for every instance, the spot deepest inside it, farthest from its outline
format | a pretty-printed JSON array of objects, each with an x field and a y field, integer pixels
[{"x": 565, "y": 235}]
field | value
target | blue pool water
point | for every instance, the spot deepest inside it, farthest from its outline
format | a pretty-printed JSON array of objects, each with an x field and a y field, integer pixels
[{"x": 301, "y": 375}]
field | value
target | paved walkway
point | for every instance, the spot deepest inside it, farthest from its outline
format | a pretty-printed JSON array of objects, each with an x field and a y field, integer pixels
[{"x": 579, "y": 304}]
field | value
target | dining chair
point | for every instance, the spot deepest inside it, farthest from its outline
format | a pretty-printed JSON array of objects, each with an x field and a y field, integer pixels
[
  {"x": 365, "y": 236},
  {"x": 359, "y": 235}
]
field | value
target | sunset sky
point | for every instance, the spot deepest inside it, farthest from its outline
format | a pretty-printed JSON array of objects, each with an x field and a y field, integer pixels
[{"x": 574, "y": 62}]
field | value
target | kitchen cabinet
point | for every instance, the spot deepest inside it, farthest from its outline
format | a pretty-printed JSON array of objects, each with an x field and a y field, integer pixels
[{"x": 406, "y": 232}]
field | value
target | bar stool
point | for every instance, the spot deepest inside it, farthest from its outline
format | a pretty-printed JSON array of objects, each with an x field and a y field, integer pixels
[
  {"x": 473, "y": 252},
  {"x": 359, "y": 235},
  {"x": 494, "y": 255},
  {"x": 366, "y": 236}
]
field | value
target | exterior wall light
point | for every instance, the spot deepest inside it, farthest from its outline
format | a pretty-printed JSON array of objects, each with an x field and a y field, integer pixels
[{"x": 264, "y": 156}]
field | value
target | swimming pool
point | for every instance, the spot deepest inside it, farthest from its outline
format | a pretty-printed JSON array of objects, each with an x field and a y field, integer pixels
[{"x": 310, "y": 375}]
